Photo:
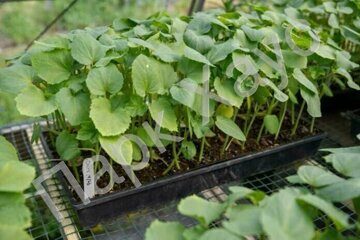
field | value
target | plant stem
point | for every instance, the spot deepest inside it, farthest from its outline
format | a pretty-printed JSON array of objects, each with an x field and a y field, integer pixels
[
  {"x": 73, "y": 164},
  {"x": 224, "y": 146},
  {"x": 201, "y": 149},
  {"x": 281, "y": 120},
  {"x": 175, "y": 160},
  {"x": 272, "y": 104},
  {"x": 189, "y": 122},
  {"x": 292, "y": 113},
  {"x": 293, "y": 131},
  {"x": 312, "y": 125}
]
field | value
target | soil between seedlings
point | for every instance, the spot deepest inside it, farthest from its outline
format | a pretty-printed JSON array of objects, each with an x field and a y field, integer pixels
[{"x": 211, "y": 155}]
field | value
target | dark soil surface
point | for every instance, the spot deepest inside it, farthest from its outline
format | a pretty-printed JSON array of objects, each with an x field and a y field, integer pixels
[{"x": 156, "y": 168}]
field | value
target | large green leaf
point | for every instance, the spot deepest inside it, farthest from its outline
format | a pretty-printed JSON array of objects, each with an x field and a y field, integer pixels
[
  {"x": 272, "y": 123},
  {"x": 225, "y": 90},
  {"x": 163, "y": 113},
  {"x": 347, "y": 164},
  {"x": 230, "y": 128},
  {"x": 185, "y": 94},
  {"x": 293, "y": 60},
  {"x": 15, "y": 78},
  {"x": 15, "y": 176},
  {"x": 198, "y": 42},
  {"x": 341, "y": 191},
  {"x": 303, "y": 80},
  {"x": 204, "y": 211},
  {"x": 218, "y": 233},
  {"x": 325, "y": 51},
  {"x": 103, "y": 80},
  {"x": 160, "y": 230},
  {"x": 151, "y": 76},
  {"x": 196, "y": 56},
  {"x": 86, "y": 49},
  {"x": 354, "y": 149},
  {"x": 108, "y": 121},
  {"x": 281, "y": 213},
  {"x": 67, "y": 146},
  {"x": 220, "y": 51},
  {"x": 350, "y": 81},
  {"x": 119, "y": 148},
  {"x": 316, "y": 176},
  {"x": 33, "y": 103},
  {"x": 75, "y": 107},
  {"x": 54, "y": 67},
  {"x": 11, "y": 232},
  {"x": 313, "y": 102},
  {"x": 244, "y": 220},
  {"x": 7, "y": 150},
  {"x": 338, "y": 217},
  {"x": 191, "y": 69},
  {"x": 13, "y": 212}
]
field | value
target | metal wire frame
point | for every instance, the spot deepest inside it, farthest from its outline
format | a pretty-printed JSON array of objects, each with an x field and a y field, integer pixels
[{"x": 129, "y": 226}]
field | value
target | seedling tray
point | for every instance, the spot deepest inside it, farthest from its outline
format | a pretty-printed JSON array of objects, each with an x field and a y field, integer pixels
[{"x": 109, "y": 206}]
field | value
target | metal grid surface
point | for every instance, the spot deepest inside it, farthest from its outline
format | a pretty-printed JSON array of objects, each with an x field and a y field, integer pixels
[{"x": 130, "y": 226}]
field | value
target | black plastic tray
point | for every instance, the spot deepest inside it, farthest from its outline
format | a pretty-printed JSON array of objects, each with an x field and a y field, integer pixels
[
  {"x": 106, "y": 207},
  {"x": 343, "y": 100}
]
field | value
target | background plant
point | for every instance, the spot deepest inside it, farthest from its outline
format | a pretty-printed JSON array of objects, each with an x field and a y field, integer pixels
[
  {"x": 288, "y": 214},
  {"x": 15, "y": 178},
  {"x": 95, "y": 85}
]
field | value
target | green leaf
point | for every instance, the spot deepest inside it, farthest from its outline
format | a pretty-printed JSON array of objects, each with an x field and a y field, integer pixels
[
  {"x": 188, "y": 149},
  {"x": 281, "y": 213},
  {"x": 225, "y": 90},
  {"x": 200, "y": 43},
  {"x": 119, "y": 148},
  {"x": 54, "y": 67},
  {"x": 317, "y": 177},
  {"x": 204, "y": 211},
  {"x": 325, "y": 51},
  {"x": 15, "y": 176},
  {"x": 104, "y": 80},
  {"x": 218, "y": 233},
  {"x": 108, "y": 121},
  {"x": 7, "y": 150},
  {"x": 333, "y": 21},
  {"x": 347, "y": 164},
  {"x": 86, "y": 132},
  {"x": 350, "y": 34},
  {"x": 339, "y": 218},
  {"x": 313, "y": 102},
  {"x": 67, "y": 146},
  {"x": 86, "y": 49},
  {"x": 244, "y": 220},
  {"x": 229, "y": 128},
  {"x": 160, "y": 230},
  {"x": 220, "y": 51},
  {"x": 196, "y": 56},
  {"x": 355, "y": 149},
  {"x": 255, "y": 35},
  {"x": 350, "y": 81},
  {"x": 185, "y": 94},
  {"x": 238, "y": 193},
  {"x": 15, "y": 78},
  {"x": 151, "y": 76},
  {"x": 272, "y": 123},
  {"x": 194, "y": 233},
  {"x": 303, "y": 80},
  {"x": 163, "y": 113},
  {"x": 191, "y": 69},
  {"x": 11, "y": 232},
  {"x": 33, "y": 103},
  {"x": 293, "y": 60},
  {"x": 13, "y": 212},
  {"x": 75, "y": 107},
  {"x": 341, "y": 191}
]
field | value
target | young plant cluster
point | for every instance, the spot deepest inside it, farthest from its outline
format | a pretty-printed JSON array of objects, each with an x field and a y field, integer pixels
[
  {"x": 288, "y": 214},
  {"x": 338, "y": 22},
  {"x": 228, "y": 76},
  {"x": 15, "y": 177}
]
